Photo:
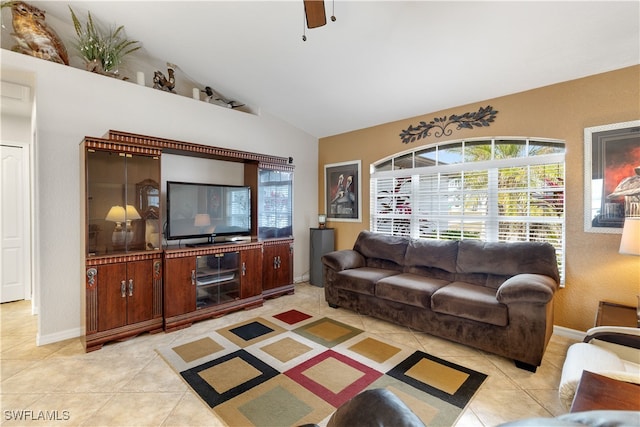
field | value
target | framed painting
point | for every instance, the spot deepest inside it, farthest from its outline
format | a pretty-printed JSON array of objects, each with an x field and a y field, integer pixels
[
  {"x": 612, "y": 176},
  {"x": 343, "y": 191}
]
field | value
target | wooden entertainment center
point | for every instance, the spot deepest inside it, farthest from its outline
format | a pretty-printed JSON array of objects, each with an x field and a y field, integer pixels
[{"x": 135, "y": 283}]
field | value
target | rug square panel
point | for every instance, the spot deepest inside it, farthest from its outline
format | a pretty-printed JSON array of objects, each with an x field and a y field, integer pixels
[
  {"x": 374, "y": 351},
  {"x": 291, "y": 317},
  {"x": 251, "y": 331},
  {"x": 328, "y": 332},
  {"x": 341, "y": 377},
  {"x": 279, "y": 401},
  {"x": 437, "y": 375},
  {"x": 229, "y": 374},
  {"x": 227, "y": 377},
  {"x": 447, "y": 381},
  {"x": 325, "y": 376},
  {"x": 286, "y": 350},
  {"x": 431, "y": 410},
  {"x": 197, "y": 349},
  {"x": 423, "y": 410}
]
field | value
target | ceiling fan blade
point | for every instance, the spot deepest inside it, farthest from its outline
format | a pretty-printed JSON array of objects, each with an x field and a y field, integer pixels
[{"x": 314, "y": 11}]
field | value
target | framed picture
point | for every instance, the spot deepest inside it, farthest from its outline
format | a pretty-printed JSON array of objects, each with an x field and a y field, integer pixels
[
  {"x": 342, "y": 191},
  {"x": 612, "y": 176}
]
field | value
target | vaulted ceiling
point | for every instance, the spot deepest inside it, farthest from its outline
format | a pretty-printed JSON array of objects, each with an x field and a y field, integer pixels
[{"x": 379, "y": 61}]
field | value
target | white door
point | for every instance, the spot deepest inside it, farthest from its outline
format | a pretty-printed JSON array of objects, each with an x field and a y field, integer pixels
[{"x": 14, "y": 223}]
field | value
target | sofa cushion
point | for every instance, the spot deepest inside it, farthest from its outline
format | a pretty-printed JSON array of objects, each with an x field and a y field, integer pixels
[
  {"x": 362, "y": 280},
  {"x": 471, "y": 302},
  {"x": 409, "y": 289},
  {"x": 507, "y": 258},
  {"x": 440, "y": 254},
  {"x": 381, "y": 247}
]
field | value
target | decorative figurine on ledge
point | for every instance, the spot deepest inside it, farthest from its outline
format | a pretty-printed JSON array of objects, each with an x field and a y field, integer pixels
[
  {"x": 162, "y": 83},
  {"x": 33, "y": 35},
  {"x": 214, "y": 97},
  {"x": 102, "y": 51}
]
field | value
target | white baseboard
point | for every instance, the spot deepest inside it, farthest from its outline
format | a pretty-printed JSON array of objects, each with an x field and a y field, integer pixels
[
  {"x": 569, "y": 333},
  {"x": 300, "y": 279},
  {"x": 58, "y": 336}
]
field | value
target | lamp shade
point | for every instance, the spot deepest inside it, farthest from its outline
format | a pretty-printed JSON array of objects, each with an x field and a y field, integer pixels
[
  {"x": 116, "y": 214},
  {"x": 630, "y": 242},
  {"x": 132, "y": 213}
]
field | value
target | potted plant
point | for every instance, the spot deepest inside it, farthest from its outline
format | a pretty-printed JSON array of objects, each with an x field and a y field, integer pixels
[{"x": 102, "y": 51}]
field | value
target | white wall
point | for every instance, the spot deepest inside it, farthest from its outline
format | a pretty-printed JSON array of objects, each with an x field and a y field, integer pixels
[
  {"x": 71, "y": 104},
  {"x": 15, "y": 129}
]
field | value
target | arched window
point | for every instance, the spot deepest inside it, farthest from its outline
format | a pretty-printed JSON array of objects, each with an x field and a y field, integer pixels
[{"x": 498, "y": 189}]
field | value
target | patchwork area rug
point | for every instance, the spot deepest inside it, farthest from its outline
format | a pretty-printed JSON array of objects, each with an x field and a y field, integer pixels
[{"x": 294, "y": 368}]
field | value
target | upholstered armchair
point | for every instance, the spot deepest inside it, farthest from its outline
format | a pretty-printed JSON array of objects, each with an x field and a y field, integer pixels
[{"x": 612, "y": 351}]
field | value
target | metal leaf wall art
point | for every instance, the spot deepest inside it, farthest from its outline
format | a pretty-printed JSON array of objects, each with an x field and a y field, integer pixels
[{"x": 481, "y": 118}]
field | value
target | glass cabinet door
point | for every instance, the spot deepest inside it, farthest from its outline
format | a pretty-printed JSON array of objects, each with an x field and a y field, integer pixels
[
  {"x": 275, "y": 203},
  {"x": 217, "y": 279},
  {"x": 123, "y": 202},
  {"x": 143, "y": 202}
]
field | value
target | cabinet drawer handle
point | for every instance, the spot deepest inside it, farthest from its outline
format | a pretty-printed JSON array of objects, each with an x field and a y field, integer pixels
[
  {"x": 123, "y": 289},
  {"x": 193, "y": 277},
  {"x": 130, "y": 287},
  {"x": 244, "y": 269}
]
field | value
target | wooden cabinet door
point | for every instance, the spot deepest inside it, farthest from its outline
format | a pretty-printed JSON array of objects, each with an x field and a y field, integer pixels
[
  {"x": 179, "y": 286},
  {"x": 112, "y": 296},
  {"x": 285, "y": 268},
  {"x": 139, "y": 291},
  {"x": 277, "y": 266},
  {"x": 269, "y": 270},
  {"x": 251, "y": 273}
]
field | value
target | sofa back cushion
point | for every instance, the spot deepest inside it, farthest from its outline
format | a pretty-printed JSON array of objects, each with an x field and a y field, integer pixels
[
  {"x": 381, "y": 250},
  {"x": 440, "y": 254},
  {"x": 507, "y": 259}
]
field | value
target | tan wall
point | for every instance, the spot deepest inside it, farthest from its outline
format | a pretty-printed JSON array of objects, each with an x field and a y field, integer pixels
[{"x": 594, "y": 271}]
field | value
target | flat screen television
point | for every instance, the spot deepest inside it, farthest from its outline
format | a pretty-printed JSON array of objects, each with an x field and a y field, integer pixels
[{"x": 198, "y": 210}]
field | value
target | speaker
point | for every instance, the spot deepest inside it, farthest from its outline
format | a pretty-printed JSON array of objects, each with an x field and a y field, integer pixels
[{"x": 290, "y": 159}]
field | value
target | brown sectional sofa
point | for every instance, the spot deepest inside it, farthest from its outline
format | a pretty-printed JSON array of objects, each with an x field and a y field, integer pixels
[{"x": 497, "y": 297}]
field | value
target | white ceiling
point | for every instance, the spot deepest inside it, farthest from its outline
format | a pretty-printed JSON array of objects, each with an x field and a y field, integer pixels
[{"x": 380, "y": 61}]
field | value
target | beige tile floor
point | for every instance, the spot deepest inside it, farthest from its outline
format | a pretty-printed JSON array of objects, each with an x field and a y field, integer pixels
[{"x": 128, "y": 384}]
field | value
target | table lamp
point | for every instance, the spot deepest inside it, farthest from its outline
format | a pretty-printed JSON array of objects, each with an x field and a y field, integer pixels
[
  {"x": 630, "y": 245},
  {"x": 117, "y": 214},
  {"x": 132, "y": 214},
  {"x": 322, "y": 220}
]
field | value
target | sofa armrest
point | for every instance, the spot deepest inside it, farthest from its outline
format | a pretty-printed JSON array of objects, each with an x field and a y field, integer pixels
[
  {"x": 343, "y": 260},
  {"x": 534, "y": 288}
]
